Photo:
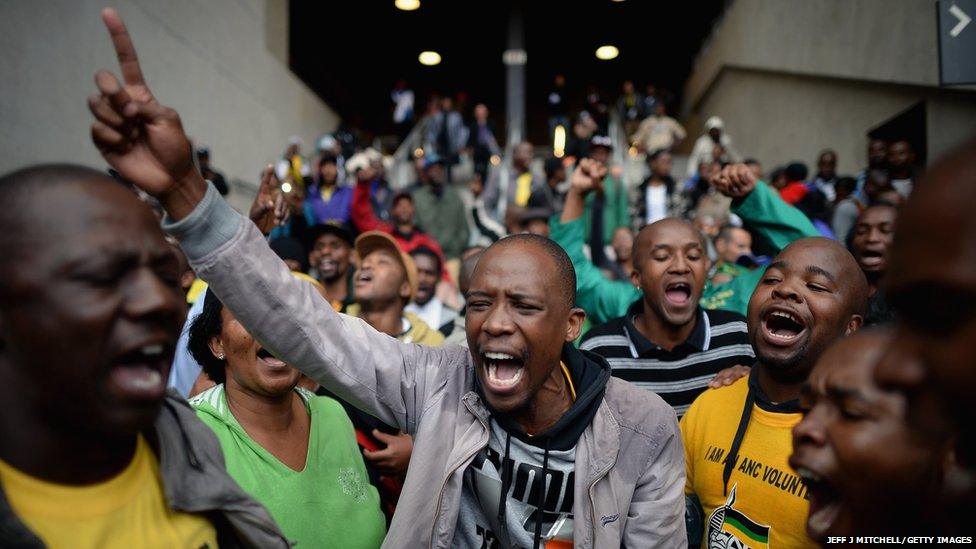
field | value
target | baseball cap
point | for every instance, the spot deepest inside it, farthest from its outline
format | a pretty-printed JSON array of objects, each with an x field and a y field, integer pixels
[
  {"x": 601, "y": 141},
  {"x": 372, "y": 241},
  {"x": 315, "y": 231}
]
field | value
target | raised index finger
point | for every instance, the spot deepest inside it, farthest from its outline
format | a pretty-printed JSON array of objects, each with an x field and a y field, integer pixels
[{"x": 126, "y": 52}]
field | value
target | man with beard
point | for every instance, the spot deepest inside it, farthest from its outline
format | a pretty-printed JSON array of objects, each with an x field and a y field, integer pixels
[
  {"x": 862, "y": 464},
  {"x": 931, "y": 283},
  {"x": 330, "y": 262},
  {"x": 872, "y": 236},
  {"x": 737, "y": 438},
  {"x": 492, "y": 425},
  {"x": 93, "y": 453}
]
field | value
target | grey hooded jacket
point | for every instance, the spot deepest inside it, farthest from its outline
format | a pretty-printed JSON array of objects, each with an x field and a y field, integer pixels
[
  {"x": 194, "y": 481},
  {"x": 630, "y": 472}
]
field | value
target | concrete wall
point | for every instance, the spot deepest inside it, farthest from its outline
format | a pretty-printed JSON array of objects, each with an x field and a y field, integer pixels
[
  {"x": 218, "y": 62},
  {"x": 781, "y": 117},
  {"x": 791, "y": 77}
]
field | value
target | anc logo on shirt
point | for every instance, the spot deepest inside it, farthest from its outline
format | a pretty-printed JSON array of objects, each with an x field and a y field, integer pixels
[
  {"x": 353, "y": 484},
  {"x": 729, "y": 528}
]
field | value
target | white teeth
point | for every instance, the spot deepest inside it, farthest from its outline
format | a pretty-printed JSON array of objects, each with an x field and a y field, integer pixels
[
  {"x": 152, "y": 350},
  {"x": 499, "y": 356},
  {"x": 808, "y": 475},
  {"x": 149, "y": 381},
  {"x": 493, "y": 377},
  {"x": 786, "y": 315}
]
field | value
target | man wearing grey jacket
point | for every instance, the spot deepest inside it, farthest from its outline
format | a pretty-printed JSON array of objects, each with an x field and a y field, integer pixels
[{"x": 522, "y": 441}]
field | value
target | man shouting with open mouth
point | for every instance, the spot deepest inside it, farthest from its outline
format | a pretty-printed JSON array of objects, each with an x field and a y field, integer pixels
[{"x": 521, "y": 441}]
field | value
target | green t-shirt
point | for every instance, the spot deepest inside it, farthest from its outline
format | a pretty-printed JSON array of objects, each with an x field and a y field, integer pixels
[{"x": 328, "y": 504}]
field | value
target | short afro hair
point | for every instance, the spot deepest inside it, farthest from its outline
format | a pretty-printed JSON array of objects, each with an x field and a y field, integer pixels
[
  {"x": 428, "y": 252},
  {"x": 204, "y": 328},
  {"x": 565, "y": 272}
]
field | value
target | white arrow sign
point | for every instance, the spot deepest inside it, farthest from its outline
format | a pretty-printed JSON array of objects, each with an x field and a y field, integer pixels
[{"x": 963, "y": 20}]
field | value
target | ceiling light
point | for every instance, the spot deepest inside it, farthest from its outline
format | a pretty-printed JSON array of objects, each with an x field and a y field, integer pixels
[
  {"x": 607, "y": 52},
  {"x": 429, "y": 58},
  {"x": 407, "y": 5}
]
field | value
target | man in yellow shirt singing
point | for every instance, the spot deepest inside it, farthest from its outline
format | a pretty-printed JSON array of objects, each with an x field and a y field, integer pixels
[
  {"x": 92, "y": 451},
  {"x": 738, "y": 438}
]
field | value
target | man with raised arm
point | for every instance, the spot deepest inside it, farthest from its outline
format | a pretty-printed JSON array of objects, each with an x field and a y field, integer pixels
[{"x": 522, "y": 440}]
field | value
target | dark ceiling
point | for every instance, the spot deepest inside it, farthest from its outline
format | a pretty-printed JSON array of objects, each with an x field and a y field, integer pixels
[{"x": 352, "y": 53}]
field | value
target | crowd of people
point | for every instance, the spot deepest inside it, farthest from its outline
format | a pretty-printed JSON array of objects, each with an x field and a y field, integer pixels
[{"x": 541, "y": 358}]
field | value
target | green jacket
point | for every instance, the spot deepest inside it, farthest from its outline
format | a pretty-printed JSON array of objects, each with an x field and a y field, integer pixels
[
  {"x": 604, "y": 299},
  {"x": 442, "y": 217},
  {"x": 616, "y": 209}
]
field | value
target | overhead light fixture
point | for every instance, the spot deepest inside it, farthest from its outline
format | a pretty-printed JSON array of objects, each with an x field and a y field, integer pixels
[
  {"x": 607, "y": 52},
  {"x": 407, "y": 5},
  {"x": 559, "y": 141},
  {"x": 429, "y": 58}
]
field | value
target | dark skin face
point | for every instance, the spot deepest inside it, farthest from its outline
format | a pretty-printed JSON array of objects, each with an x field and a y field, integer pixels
[
  {"x": 854, "y": 439},
  {"x": 808, "y": 297},
  {"x": 330, "y": 256},
  {"x": 522, "y": 156},
  {"x": 600, "y": 154},
  {"x": 931, "y": 283},
  {"x": 873, "y": 234},
  {"x": 402, "y": 212},
  {"x": 827, "y": 166},
  {"x": 877, "y": 153},
  {"x": 669, "y": 267},
  {"x": 380, "y": 279},
  {"x": 876, "y": 184},
  {"x": 515, "y": 307},
  {"x": 328, "y": 172},
  {"x": 427, "y": 276},
  {"x": 899, "y": 155},
  {"x": 99, "y": 280},
  {"x": 661, "y": 166},
  {"x": 249, "y": 367}
]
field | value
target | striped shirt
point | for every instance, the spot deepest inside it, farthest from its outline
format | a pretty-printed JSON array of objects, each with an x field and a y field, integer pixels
[{"x": 719, "y": 340}]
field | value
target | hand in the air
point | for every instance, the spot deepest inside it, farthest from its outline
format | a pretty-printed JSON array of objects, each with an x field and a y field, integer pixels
[
  {"x": 143, "y": 140},
  {"x": 269, "y": 208},
  {"x": 735, "y": 181},
  {"x": 588, "y": 176},
  {"x": 395, "y": 457},
  {"x": 729, "y": 376}
]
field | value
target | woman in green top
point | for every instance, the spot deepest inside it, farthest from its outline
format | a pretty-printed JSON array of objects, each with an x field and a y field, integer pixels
[{"x": 293, "y": 451}]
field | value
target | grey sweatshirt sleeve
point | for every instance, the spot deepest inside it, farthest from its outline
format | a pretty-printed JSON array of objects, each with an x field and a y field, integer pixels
[
  {"x": 657, "y": 510},
  {"x": 371, "y": 370}
]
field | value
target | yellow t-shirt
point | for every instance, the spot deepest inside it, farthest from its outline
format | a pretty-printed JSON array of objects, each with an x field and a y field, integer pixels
[
  {"x": 128, "y": 510},
  {"x": 766, "y": 504}
]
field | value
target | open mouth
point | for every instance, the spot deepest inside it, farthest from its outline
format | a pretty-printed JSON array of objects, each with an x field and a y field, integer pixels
[
  {"x": 825, "y": 503},
  {"x": 678, "y": 293},
  {"x": 782, "y": 327},
  {"x": 503, "y": 370},
  {"x": 269, "y": 359},
  {"x": 328, "y": 265},
  {"x": 138, "y": 373},
  {"x": 363, "y": 278},
  {"x": 871, "y": 258}
]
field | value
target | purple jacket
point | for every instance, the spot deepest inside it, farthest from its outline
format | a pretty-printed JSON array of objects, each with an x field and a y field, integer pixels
[{"x": 336, "y": 210}]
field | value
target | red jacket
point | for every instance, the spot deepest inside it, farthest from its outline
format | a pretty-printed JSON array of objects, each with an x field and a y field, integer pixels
[
  {"x": 794, "y": 192},
  {"x": 365, "y": 219}
]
